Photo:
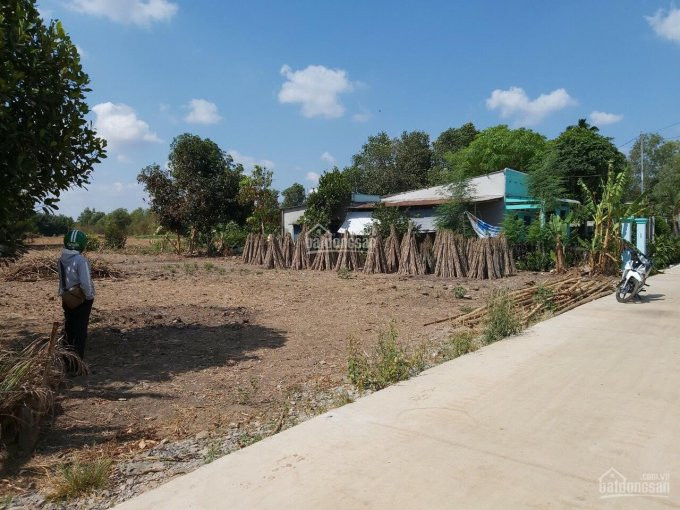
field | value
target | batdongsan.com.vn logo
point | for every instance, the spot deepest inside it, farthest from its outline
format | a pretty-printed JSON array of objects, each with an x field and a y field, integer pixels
[{"x": 612, "y": 484}]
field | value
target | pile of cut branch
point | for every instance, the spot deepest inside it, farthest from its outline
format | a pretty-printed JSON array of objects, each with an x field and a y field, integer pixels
[
  {"x": 554, "y": 297},
  {"x": 376, "y": 262},
  {"x": 323, "y": 259},
  {"x": 490, "y": 258},
  {"x": 392, "y": 250},
  {"x": 451, "y": 255},
  {"x": 247, "y": 249},
  {"x": 35, "y": 268},
  {"x": 348, "y": 257},
  {"x": 287, "y": 249},
  {"x": 410, "y": 262},
  {"x": 273, "y": 259},
  {"x": 427, "y": 254},
  {"x": 301, "y": 258}
]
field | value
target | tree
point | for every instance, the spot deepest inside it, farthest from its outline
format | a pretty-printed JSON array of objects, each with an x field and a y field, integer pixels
[
  {"x": 257, "y": 194},
  {"x": 655, "y": 152},
  {"x": 449, "y": 142},
  {"x": 387, "y": 165},
  {"x": 666, "y": 192},
  {"x": 46, "y": 145},
  {"x": 52, "y": 224},
  {"x": 197, "y": 191},
  {"x": 326, "y": 206},
  {"x": 499, "y": 147},
  {"x": 116, "y": 225},
  {"x": 582, "y": 153},
  {"x": 384, "y": 217},
  {"x": 90, "y": 217},
  {"x": 546, "y": 183},
  {"x": 293, "y": 196},
  {"x": 451, "y": 214}
]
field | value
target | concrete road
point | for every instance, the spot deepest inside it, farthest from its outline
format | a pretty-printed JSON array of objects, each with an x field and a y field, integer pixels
[{"x": 578, "y": 407}]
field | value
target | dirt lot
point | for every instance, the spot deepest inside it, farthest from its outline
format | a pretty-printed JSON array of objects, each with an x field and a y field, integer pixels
[{"x": 180, "y": 345}]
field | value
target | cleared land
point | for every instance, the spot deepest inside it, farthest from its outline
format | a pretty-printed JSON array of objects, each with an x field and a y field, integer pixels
[{"x": 179, "y": 346}]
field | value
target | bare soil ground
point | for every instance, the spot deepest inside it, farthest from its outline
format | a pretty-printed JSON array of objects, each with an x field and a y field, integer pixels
[{"x": 182, "y": 345}]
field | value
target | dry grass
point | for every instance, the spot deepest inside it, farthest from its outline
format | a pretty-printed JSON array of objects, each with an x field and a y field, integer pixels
[
  {"x": 76, "y": 479},
  {"x": 29, "y": 379}
]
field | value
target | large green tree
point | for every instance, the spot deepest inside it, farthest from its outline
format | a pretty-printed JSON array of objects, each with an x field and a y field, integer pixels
[
  {"x": 198, "y": 190},
  {"x": 449, "y": 142},
  {"x": 293, "y": 195},
  {"x": 257, "y": 194},
  {"x": 583, "y": 153},
  {"x": 666, "y": 192},
  {"x": 650, "y": 152},
  {"x": 326, "y": 206},
  {"x": 499, "y": 147},
  {"x": 46, "y": 145},
  {"x": 387, "y": 165}
]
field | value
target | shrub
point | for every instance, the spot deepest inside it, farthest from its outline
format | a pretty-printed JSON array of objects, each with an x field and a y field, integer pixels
[
  {"x": 665, "y": 250},
  {"x": 115, "y": 236},
  {"x": 502, "y": 318},
  {"x": 461, "y": 343},
  {"x": 344, "y": 273},
  {"x": 230, "y": 237},
  {"x": 389, "y": 363},
  {"x": 77, "y": 479},
  {"x": 93, "y": 243},
  {"x": 459, "y": 292}
]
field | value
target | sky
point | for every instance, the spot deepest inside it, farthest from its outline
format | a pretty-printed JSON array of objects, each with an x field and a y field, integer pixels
[{"x": 299, "y": 86}]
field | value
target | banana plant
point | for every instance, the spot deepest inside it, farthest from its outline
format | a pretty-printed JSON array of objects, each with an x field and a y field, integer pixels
[{"x": 604, "y": 249}]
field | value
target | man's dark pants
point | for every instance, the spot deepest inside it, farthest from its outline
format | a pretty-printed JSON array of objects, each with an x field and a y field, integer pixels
[{"x": 77, "y": 320}]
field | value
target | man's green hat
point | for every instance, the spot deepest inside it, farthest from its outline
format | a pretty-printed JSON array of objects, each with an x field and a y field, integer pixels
[{"x": 75, "y": 240}]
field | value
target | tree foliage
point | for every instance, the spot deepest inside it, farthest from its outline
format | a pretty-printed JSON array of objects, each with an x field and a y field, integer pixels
[
  {"x": 654, "y": 153},
  {"x": 48, "y": 224},
  {"x": 387, "y": 165},
  {"x": 197, "y": 191},
  {"x": 46, "y": 145},
  {"x": 326, "y": 206},
  {"x": 449, "y": 142},
  {"x": 546, "y": 183},
  {"x": 257, "y": 194},
  {"x": 584, "y": 154},
  {"x": 499, "y": 147},
  {"x": 293, "y": 195}
]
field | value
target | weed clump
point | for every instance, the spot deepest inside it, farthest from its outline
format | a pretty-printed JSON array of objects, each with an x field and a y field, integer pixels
[
  {"x": 502, "y": 317},
  {"x": 76, "y": 479},
  {"x": 460, "y": 343},
  {"x": 459, "y": 292},
  {"x": 388, "y": 364}
]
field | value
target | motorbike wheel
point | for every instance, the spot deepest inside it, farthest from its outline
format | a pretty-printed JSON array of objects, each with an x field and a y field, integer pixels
[{"x": 625, "y": 292}]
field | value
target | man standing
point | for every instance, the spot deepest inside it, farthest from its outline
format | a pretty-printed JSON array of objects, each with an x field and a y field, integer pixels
[{"x": 76, "y": 290}]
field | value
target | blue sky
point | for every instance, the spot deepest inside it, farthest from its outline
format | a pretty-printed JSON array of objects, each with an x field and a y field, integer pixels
[{"x": 299, "y": 86}]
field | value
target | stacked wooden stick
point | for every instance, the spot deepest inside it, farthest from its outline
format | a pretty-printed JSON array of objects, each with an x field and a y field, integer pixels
[
  {"x": 555, "y": 297},
  {"x": 490, "y": 258},
  {"x": 450, "y": 256}
]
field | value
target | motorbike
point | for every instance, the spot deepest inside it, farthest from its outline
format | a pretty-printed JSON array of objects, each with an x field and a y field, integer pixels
[{"x": 635, "y": 272}]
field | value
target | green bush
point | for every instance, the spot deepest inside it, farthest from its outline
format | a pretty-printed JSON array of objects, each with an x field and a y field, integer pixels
[
  {"x": 230, "y": 237},
  {"x": 461, "y": 343},
  {"x": 665, "y": 250},
  {"x": 389, "y": 363},
  {"x": 459, "y": 292},
  {"x": 502, "y": 318},
  {"x": 93, "y": 243},
  {"x": 115, "y": 236}
]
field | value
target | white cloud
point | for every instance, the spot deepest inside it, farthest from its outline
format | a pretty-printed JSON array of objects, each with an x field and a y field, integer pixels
[
  {"x": 602, "y": 118},
  {"x": 514, "y": 102},
  {"x": 317, "y": 89},
  {"x": 362, "y": 117},
  {"x": 138, "y": 12},
  {"x": 119, "y": 125},
  {"x": 202, "y": 111},
  {"x": 312, "y": 178},
  {"x": 328, "y": 158},
  {"x": 249, "y": 162},
  {"x": 666, "y": 24}
]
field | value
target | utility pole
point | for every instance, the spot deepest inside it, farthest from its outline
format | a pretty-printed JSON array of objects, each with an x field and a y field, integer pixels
[{"x": 642, "y": 164}]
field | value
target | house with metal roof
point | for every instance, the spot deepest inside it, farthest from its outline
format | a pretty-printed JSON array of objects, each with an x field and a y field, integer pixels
[{"x": 492, "y": 196}]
